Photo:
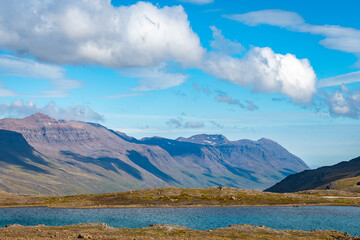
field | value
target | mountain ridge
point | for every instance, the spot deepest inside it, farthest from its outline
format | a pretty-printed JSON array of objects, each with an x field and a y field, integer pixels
[
  {"x": 320, "y": 178},
  {"x": 85, "y": 157}
]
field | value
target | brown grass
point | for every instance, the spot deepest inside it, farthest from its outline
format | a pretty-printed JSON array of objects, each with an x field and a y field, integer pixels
[
  {"x": 177, "y": 197},
  {"x": 162, "y": 232}
]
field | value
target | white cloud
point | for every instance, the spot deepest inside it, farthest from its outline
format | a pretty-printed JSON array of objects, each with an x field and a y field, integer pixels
[
  {"x": 6, "y": 92},
  {"x": 336, "y": 37},
  {"x": 344, "y": 103},
  {"x": 94, "y": 32},
  {"x": 155, "y": 78},
  {"x": 251, "y": 106},
  {"x": 205, "y": 90},
  {"x": 224, "y": 45},
  {"x": 27, "y": 68},
  {"x": 194, "y": 125},
  {"x": 175, "y": 123},
  {"x": 265, "y": 71},
  {"x": 273, "y": 17},
  {"x": 74, "y": 112},
  {"x": 339, "y": 80},
  {"x": 199, "y": 2},
  {"x": 224, "y": 98},
  {"x": 216, "y": 124},
  {"x": 140, "y": 36},
  {"x": 179, "y": 123}
]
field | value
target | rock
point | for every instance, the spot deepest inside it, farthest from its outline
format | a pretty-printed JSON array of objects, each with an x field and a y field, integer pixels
[
  {"x": 98, "y": 225},
  {"x": 84, "y": 236},
  {"x": 167, "y": 228},
  {"x": 13, "y": 225}
]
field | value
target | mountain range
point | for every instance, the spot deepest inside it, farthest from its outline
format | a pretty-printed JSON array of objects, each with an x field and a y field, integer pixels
[{"x": 39, "y": 154}]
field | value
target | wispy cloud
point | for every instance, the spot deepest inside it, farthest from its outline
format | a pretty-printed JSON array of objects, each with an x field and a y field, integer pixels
[
  {"x": 224, "y": 45},
  {"x": 251, "y": 106},
  {"x": 28, "y": 68},
  {"x": 273, "y": 17},
  {"x": 74, "y": 112},
  {"x": 176, "y": 123},
  {"x": 344, "y": 102},
  {"x": 179, "y": 93},
  {"x": 180, "y": 123},
  {"x": 205, "y": 90},
  {"x": 4, "y": 92},
  {"x": 225, "y": 98},
  {"x": 339, "y": 80},
  {"x": 278, "y": 99},
  {"x": 216, "y": 124},
  {"x": 336, "y": 37},
  {"x": 194, "y": 125},
  {"x": 199, "y": 2},
  {"x": 125, "y": 95},
  {"x": 155, "y": 78}
]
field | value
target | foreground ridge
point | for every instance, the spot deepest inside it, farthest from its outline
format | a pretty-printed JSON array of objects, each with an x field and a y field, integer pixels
[
  {"x": 178, "y": 197},
  {"x": 342, "y": 176}
]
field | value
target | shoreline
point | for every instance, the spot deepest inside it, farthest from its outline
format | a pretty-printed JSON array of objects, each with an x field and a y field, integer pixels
[
  {"x": 176, "y": 206},
  {"x": 162, "y": 232}
]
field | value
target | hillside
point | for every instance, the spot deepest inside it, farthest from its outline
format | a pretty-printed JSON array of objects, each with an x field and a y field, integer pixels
[
  {"x": 71, "y": 157},
  {"x": 342, "y": 176}
]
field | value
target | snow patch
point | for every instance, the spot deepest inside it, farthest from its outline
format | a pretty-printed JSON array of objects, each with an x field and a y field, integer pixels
[{"x": 209, "y": 142}]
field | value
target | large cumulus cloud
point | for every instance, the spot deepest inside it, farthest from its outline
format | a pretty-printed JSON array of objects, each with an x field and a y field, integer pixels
[
  {"x": 95, "y": 32},
  {"x": 266, "y": 71}
]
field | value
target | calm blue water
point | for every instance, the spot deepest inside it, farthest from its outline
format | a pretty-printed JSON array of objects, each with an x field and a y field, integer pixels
[{"x": 346, "y": 219}]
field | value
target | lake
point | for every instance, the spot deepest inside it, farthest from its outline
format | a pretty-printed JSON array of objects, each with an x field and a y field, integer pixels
[{"x": 345, "y": 219}]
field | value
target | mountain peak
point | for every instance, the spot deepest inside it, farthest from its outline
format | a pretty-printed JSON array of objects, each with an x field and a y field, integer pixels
[
  {"x": 206, "y": 139},
  {"x": 40, "y": 117},
  {"x": 268, "y": 141}
]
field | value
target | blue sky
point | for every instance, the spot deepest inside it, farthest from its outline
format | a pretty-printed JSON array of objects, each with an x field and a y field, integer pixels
[{"x": 284, "y": 70}]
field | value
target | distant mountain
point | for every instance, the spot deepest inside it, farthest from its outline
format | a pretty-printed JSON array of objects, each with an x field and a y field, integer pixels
[
  {"x": 323, "y": 178},
  {"x": 40, "y": 154},
  {"x": 215, "y": 139}
]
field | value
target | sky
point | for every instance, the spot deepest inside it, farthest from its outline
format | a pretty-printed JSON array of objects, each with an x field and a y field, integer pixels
[{"x": 284, "y": 70}]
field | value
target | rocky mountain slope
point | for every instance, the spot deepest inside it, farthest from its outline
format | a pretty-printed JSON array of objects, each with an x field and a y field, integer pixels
[
  {"x": 342, "y": 176},
  {"x": 43, "y": 155}
]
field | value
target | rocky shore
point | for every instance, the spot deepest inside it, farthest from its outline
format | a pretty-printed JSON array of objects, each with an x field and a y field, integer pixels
[{"x": 161, "y": 232}]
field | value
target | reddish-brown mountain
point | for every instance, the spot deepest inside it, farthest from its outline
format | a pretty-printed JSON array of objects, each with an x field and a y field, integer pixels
[{"x": 41, "y": 154}]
